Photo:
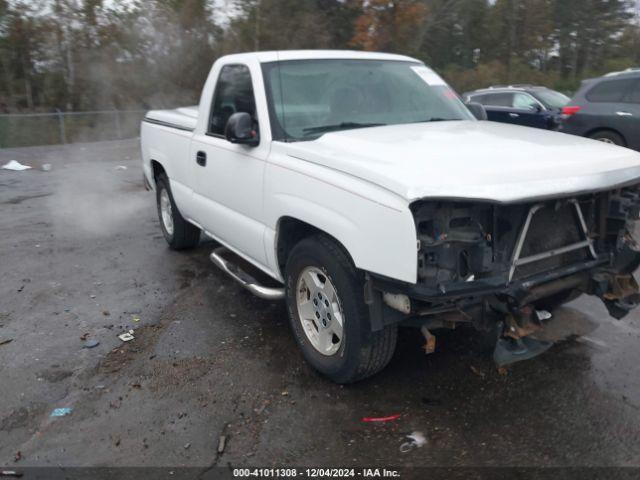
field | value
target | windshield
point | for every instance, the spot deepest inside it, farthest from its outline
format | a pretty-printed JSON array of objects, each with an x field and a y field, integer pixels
[
  {"x": 552, "y": 99},
  {"x": 308, "y": 98}
]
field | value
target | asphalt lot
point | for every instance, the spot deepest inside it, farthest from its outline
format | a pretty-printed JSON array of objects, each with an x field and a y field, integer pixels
[{"x": 82, "y": 256}]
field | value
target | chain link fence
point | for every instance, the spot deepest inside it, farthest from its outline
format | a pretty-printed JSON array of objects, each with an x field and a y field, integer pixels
[{"x": 22, "y": 130}]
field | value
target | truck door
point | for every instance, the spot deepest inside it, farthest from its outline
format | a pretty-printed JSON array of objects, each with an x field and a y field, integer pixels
[{"x": 228, "y": 185}]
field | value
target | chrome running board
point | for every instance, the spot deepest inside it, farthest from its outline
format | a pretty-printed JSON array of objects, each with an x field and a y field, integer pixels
[{"x": 243, "y": 278}]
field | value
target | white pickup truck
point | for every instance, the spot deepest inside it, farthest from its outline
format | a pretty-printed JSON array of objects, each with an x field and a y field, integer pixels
[{"x": 372, "y": 198}]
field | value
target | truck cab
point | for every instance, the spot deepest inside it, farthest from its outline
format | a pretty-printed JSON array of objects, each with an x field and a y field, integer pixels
[{"x": 366, "y": 193}]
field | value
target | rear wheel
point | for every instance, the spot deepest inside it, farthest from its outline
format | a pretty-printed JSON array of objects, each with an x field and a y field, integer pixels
[
  {"x": 179, "y": 233},
  {"x": 330, "y": 321},
  {"x": 608, "y": 136}
]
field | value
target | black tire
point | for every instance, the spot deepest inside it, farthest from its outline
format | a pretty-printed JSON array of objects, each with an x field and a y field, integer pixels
[
  {"x": 362, "y": 352},
  {"x": 609, "y": 137},
  {"x": 185, "y": 235}
]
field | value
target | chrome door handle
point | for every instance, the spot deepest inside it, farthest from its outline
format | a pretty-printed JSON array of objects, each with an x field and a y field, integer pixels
[
  {"x": 624, "y": 114},
  {"x": 514, "y": 115}
]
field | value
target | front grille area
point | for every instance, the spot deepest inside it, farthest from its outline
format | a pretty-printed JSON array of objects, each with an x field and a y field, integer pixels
[
  {"x": 551, "y": 263},
  {"x": 552, "y": 227},
  {"x": 471, "y": 242}
]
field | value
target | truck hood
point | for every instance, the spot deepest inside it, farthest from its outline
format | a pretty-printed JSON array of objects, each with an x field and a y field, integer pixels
[{"x": 473, "y": 160}]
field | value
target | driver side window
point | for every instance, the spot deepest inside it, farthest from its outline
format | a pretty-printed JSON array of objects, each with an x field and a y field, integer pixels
[
  {"x": 234, "y": 93},
  {"x": 523, "y": 101}
]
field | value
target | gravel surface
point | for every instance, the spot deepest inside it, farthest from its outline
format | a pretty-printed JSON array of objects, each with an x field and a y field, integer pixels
[{"x": 83, "y": 260}]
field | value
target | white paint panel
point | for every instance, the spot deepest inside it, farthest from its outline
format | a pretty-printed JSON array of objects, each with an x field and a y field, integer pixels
[
  {"x": 374, "y": 225},
  {"x": 473, "y": 160}
]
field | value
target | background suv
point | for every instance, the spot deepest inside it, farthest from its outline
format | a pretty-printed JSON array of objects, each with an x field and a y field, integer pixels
[
  {"x": 606, "y": 109},
  {"x": 525, "y": 105}
]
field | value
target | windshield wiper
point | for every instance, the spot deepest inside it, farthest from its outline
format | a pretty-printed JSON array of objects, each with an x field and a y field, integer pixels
[{"x": 340, "y": 126}]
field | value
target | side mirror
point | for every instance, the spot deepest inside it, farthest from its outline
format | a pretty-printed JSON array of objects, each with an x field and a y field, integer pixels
[
  {"x": 240, "y": 129},
  {"x": 477, "y": 110}
]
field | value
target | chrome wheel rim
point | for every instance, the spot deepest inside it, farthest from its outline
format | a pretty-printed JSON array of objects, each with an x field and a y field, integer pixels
[
  {"x": 607, "y": 140},
  {"x": 319, "y": 311},
  {"x": 165, "y": 211}
]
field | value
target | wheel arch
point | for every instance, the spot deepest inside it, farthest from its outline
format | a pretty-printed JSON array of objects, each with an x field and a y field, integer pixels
[
  {"x": 595, "y": 130},
  {"x": 157, "y": 168},
  {"x": 291, "y": 231}
]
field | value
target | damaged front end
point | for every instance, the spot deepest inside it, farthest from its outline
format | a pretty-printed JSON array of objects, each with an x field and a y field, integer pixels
[{"x": 503, "y": 267}]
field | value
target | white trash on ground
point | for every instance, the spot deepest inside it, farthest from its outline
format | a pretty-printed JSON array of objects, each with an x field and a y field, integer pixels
[
  {"x": 17, "y": 166},
  {"x": 415, "y": 440},
  {"x": 126, "y": 337}
]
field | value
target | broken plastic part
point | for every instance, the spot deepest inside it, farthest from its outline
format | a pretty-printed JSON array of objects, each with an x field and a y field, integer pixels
[
  {"x": 510, "y": 350},
  {"x": 398, "y": 302},
  {"x": 618, "y": 309}
]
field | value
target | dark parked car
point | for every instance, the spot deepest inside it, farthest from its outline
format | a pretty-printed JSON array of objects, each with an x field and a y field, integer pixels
[
  {"x": 606, "y": 109},
  {"x": 525, "y": 105}
]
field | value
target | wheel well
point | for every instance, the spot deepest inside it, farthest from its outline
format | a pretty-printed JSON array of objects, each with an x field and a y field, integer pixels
[
  {"x": 604, "y": 129},
  {"x": 157, "y": 169},
  {"x": 290, "y": 232}
]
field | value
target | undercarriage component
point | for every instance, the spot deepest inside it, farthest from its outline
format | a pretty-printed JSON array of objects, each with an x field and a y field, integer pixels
[
  {"x": 514, "y": 336},
  {"x": 526, "y": 322},
  {"x": 618, "y": 292},
  {"x": 620, "y": 286},
  {"x": 579, "y": 281},
  {"x": 430, "y": 340},
  {"x": 509, "y": 350}
]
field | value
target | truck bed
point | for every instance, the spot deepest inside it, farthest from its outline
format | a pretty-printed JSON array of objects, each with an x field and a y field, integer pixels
[{"x": 183, "y": 118}]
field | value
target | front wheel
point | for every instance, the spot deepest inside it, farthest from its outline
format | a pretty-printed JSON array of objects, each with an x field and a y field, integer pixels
[
  {"x": 178, "y": 233},
  {"x": 328, "y": 316}
]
